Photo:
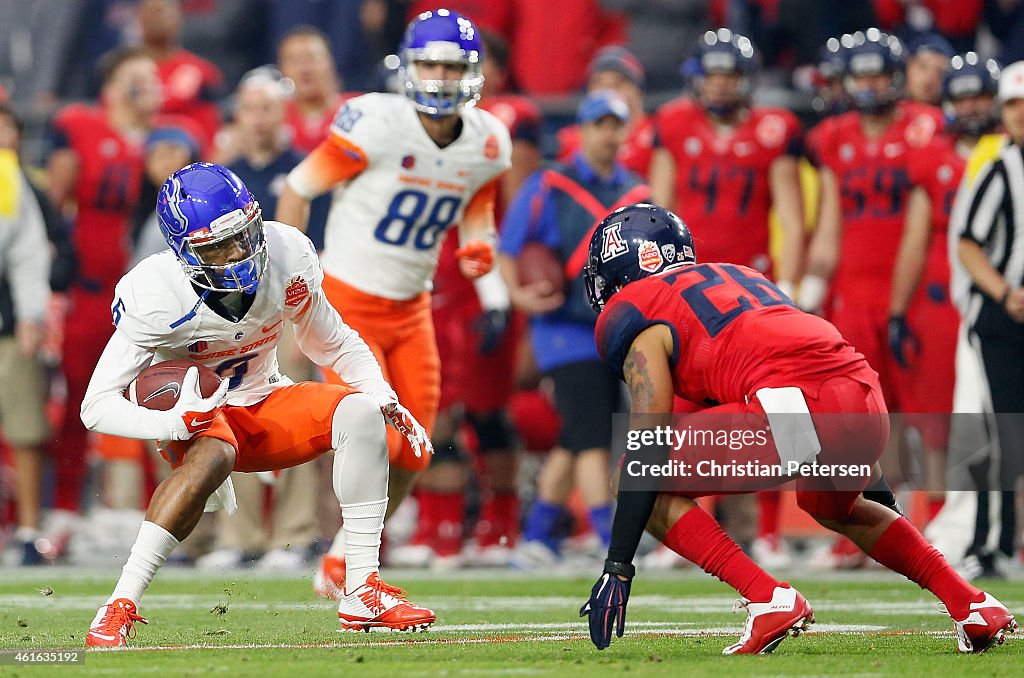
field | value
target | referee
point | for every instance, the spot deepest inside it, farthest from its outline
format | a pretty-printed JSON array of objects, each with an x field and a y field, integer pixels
[{"x": 991, "y": 248}]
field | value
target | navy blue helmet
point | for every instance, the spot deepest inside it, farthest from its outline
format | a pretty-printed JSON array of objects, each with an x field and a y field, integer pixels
[
  {"x": 723, "y": 51},
  {"x": 441, "y": 36},
  {"x": 206, "y": 214},
  {"x": 632, "y": 243},
  {"x": 872, "y": 52},
  {"x": 969, "y": 76}
]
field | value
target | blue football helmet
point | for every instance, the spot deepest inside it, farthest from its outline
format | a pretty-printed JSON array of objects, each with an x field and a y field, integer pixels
[
  {"x": 632, "y": 243},
  {"x": 441, "y": 36},
  {"x": 829, "y": 96},
  {"x": 872, "y": 52},
  {"x": 214, "y": 226},
  {"x": 970, "y": 76},
  {"x": 723, "y": 51}
]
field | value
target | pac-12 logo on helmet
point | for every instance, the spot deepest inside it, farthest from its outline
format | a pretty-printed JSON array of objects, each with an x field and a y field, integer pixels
[
  {"x": 646, "y": 234},
  {"x": 447, "y": 37},
  {"x": 214, "y": 226}
]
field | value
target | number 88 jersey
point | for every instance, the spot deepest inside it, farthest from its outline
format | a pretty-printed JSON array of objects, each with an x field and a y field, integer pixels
[{"x": 385, "y": 227}]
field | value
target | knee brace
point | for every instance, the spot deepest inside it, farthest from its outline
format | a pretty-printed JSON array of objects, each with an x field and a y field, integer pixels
[
  {"x": 492, "y": 429},
  {"x": 447, "y": 452},
  {"x": 880, "y": 493}
]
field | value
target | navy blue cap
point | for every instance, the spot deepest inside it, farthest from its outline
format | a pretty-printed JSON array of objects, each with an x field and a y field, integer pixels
[
  {"x": 174, "y": 135},
  {"x": 597, "y": 105}
]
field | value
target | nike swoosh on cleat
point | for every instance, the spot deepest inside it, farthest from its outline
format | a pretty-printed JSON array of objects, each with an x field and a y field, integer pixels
[
  {"x": 102, "y": 636},
  {"x": 267, "y": 329}
]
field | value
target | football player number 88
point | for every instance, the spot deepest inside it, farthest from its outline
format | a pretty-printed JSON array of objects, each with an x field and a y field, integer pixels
[{"x": 404, "y": 220}]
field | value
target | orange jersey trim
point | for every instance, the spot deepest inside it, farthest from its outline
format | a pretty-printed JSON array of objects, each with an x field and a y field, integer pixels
[{"x": 335, "y": 160}]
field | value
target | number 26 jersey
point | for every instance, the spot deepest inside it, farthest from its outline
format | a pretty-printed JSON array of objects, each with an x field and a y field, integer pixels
[{"x": 733, "y": 332}]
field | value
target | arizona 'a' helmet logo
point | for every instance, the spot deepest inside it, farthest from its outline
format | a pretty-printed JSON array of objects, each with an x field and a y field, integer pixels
[{"x": 613, "y": 244}]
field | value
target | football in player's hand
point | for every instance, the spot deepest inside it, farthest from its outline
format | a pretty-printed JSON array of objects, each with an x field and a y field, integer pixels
[
  {"x": 539, "y": 264},
  {"x": 158, "y": 386}
]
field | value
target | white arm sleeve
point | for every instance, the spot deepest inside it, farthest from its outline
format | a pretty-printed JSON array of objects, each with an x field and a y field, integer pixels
[
  {"x": 329, "y": 342},
  {"x": 106, "y": 410}
]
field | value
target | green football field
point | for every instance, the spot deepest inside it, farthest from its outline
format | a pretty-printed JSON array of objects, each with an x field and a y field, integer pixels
[{"x": 492, "y": 624}]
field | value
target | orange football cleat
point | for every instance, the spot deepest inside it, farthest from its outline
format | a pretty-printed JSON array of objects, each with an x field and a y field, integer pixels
[
  {"x": 114, "y": 624},
  {"x": 329, "y": 578},
  {"x": 379, "y": 605}
]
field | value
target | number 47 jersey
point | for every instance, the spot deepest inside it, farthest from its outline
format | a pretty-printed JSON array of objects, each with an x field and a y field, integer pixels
[
  {"x": 733, "y": 332},
  {"x": 386, "y": 225}
]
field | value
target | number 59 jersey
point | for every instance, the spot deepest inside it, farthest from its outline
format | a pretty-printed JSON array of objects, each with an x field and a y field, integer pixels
[
  {"x": 733, "y": 333},
  {"x": 386, "y": 226},
  {"x": 157, "y": 308}
]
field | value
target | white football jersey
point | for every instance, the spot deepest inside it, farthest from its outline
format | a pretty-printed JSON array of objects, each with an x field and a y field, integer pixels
[
  {"x": 159, "y": 316},
  {"x": 386, "y": 226}
]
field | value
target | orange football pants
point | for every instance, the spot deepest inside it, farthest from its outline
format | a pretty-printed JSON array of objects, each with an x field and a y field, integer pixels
[
  {"x": 401, "y": 336},
  {"x": 289, "y": 427}
]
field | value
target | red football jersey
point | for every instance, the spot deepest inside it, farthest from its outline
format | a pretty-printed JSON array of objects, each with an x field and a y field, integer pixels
[
  {"x": 109, "y": 179},
  {"x": 307, "y": 132},
  {"x": 938, "y": 169},
  {"x": 523, "y": 119},
  {"x": 873, "y": 185},
  {"x": 635, "y": 154},
  {"x": 734, "y": 333},
  {"x": 722, "y": 186},
  {"x": 191, "y": 88}
]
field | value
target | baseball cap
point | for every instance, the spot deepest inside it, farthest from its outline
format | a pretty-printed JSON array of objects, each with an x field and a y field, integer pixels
[
  {"x": 1011, "y": 82},
  {"x": 173, "y": 135},
  {"x": 619, "y": 59},
  {"x": 597, "y": 105}
]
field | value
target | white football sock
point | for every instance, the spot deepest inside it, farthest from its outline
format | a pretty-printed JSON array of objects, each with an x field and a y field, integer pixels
[
  {"x": 152, "y": 547},
  {"x": 360, "y": 483}
]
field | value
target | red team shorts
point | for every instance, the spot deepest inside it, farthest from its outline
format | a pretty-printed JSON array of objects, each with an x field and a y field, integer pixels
[
  {"x": 481, "y": 382},
  {"x": 287, "y": 428},
  {"x": 936, "y": 322},
  {"x": 854, "y": 428},
  {"x": 401, "y": 336}
]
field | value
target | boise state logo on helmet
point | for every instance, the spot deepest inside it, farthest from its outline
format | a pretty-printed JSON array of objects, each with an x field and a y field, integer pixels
[
  {"x": 214, "y": 227},
  {"x": 445, "y": 37},
  {"x": 632, "y": 243}
]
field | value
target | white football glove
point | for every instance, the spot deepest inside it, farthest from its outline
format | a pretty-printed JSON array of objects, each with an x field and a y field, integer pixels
[
  {"x": 402, "y": 421},
  {"x": 193, "y": 413}
]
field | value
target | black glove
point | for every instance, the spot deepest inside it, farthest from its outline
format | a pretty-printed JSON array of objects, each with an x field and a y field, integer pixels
[
  {"x": 607, "y": 603},
  {"x": 491, "y": 326},
  {"x": 901, "y": 337}
]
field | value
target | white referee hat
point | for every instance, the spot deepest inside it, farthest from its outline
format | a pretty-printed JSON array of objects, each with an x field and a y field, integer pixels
[{"x": 1011, "y": 82}]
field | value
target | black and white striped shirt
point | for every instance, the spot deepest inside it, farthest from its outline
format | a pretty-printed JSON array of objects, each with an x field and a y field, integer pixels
[{"x": 995, "y": 216}]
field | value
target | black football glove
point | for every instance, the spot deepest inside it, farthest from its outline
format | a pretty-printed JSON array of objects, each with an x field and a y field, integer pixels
[
  {"x": 902, "y": 340},
  {"x": 607, "y": 604},
  {"x": 491, "y": 326}
]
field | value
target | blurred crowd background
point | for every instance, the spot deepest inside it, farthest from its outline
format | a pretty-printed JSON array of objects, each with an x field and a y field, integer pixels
[{"x": 254, "y": 84}]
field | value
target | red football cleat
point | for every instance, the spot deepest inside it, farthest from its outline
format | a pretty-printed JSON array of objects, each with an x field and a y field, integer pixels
[
  {"x": 379, "y": 605},
  {"x": 769, "y": 623},
  {"x": 986, "y": 625},
  {"x": 114, "y": 624},
  {"x": 329, "y": 578}
]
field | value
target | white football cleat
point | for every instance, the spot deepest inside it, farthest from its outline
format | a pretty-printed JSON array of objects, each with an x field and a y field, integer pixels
[
  {"x": 769, "y": 623},
  {"x": 379, "y": 605},
  {"x": 986, "y": 625},
  {"x": 416, "y": 556}
]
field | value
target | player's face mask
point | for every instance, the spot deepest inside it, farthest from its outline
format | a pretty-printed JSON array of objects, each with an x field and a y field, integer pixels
[{"x": 232, "y": 255}]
